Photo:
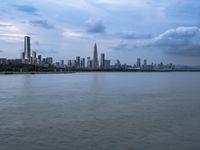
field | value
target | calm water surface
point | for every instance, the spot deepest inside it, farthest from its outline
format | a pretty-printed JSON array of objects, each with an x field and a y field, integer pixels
[{"x": 100, "y": 111}]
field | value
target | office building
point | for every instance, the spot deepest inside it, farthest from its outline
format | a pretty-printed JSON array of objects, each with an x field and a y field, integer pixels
[
  {"x": 62, "y": 63},
  {"x": 95, "y": 58},
  {"x": 82, "y": 62},
  {"x": 145, "y": 62},
  {"x": 49, "y": 60},
  {"x": 27, "y": 48},
  {"x": 78, "y": 61},
  {"x": 102, "y": 63},
  {"x": 138, "y": 64},
  {"x": 34, "y": 55},
  {"x": 89, "y": 63},
  {"x": 39, "y": 59},
  {"x": 107, "y": 64},
  {"x": 3, "y": 61}
]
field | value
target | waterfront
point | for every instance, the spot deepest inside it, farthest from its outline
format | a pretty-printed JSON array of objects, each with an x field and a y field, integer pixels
[{"x": 117, "y": 111}]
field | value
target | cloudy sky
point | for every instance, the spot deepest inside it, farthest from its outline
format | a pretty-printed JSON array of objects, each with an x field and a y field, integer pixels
[{"x": 156, "y": 30}]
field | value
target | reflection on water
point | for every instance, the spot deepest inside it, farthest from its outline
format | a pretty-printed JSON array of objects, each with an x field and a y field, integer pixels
[{"x": 100, "y": 111}]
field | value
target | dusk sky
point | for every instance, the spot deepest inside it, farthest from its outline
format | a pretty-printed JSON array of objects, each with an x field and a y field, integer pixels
[{"x": 156, "y": 30}]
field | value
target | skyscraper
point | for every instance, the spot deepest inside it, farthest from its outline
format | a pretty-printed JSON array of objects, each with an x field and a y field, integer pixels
[
  {"x": 95, "y": 58},
  {"x": 27, "y": 47},
  {"x": 34, "y": 55},
  {"x": 39, "y": 59},
  {"x": 145, "y": 62},
  {"x": 89, "y": 63},
  {"x": 82, "y": 62},
  {"x": 102, "y": 65},
  {"x": 138, "y": 63},
  {"x": 78, "y": 61}
]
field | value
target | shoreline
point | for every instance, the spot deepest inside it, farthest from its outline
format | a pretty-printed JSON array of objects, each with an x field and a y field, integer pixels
[
  {"x": 32, "y": 73},
  {"x": 70, "y": 72}
]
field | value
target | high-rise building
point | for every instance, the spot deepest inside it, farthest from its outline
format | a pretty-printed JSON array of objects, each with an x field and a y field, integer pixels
[
  {"x": 145, "y": 63},
  {"x": 89, "y": 63},
  {"x": 95, "y": 58},
  {"x": 34, "y": 55},
  {"x": 138, "y": 63},
  {"x": 27, "y": 47},
  {"x": 82, "y": 62},
  {"x": 69, "y": 63},
  {"x": 62, "y": 63},
  {"x": 78, "y": 61},
  {"x": 34, "y": 58},
  {"x": 107, "y": 64},
  {"x": 39, "y": 59},
  {"x": 102, "y": 64},
  {"x": 49, "y": 60}
]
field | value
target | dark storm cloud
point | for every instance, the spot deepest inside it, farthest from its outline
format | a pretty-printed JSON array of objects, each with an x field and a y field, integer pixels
[
  {"x": 42, "y": 24},
  {"x": 29, "y": 9},
  {"x": 95, "y": 26}
]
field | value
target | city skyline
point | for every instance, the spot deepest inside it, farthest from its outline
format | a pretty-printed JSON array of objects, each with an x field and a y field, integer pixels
[
  {"x": 98, "y": 62},
  {"x": 123, "y": 30}
]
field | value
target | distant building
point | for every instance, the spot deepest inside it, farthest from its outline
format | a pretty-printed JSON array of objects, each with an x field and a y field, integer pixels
[
  {"x": 14, "y": 61},
  {"x": 78, "y": 61},
  {"x": 34, "y": 55},
  {"x": 89, "y": 63},
  {"x": 107, "y": 64},
  {"x": 95, "y": 58},
  {"x": 3, "y": 61},
  {"x": 49, "y": 60},
  {"x": 138, "y": 64},
  {"x": 145, "y": 63},
  {"x": 82, "y": 62},
  {"x": 39, "y": 59},
  {"x": 71, "y": 63},
  {"x": 27, "y": 48},
  {"x": 117, "y": 64},
  {"x": 62, "y": 63},
  {"x": 57, "y": 64},
  {"x": 102, "y": 61}
]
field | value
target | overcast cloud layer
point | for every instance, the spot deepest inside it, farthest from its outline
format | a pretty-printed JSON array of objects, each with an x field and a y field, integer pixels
[{"x": 157, "y": 30}]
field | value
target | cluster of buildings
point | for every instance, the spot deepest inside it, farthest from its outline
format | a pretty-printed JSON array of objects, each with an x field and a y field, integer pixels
[
  {"x": 27, "y": 58},
  {"x": 94, "y": 63},
  {"x": 80, "y": 63}
]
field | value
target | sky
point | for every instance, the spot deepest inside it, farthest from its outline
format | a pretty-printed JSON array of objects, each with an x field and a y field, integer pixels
[{"x": 156, "y": 30}]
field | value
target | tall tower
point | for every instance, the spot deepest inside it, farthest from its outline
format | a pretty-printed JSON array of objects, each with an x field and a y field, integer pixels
[
  {"x": 102, "y": 65},
  {"x": 27, "y": 47},
  {"x": 95, "y": 58}
]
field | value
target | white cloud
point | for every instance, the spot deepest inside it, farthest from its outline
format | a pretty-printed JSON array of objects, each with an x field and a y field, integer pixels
[
  {"x": 10, "y": 33},
  {"x": 72, "y": 34}
]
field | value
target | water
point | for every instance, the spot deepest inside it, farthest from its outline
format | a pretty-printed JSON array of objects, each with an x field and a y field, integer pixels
[{"x": 100, "y": 111}]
